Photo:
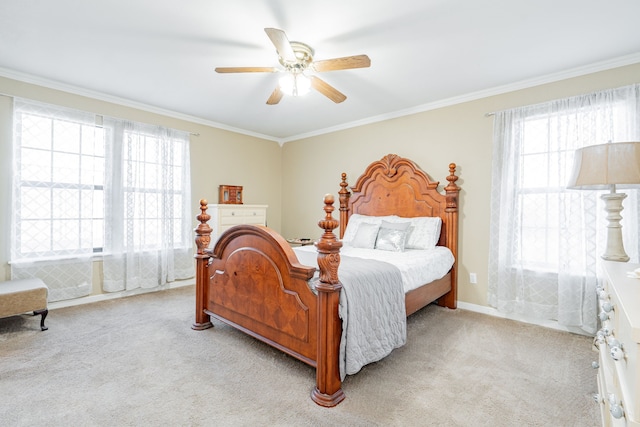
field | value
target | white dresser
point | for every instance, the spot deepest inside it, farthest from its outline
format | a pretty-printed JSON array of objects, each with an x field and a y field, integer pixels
[
  {"x": 618, "y": 343},
  {"x": 224, "y": 217}
]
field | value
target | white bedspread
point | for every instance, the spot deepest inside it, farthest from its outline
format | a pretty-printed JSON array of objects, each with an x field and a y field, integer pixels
[
  {"x": 372, "y": 303},
  {"x": 416, "y": 266}
]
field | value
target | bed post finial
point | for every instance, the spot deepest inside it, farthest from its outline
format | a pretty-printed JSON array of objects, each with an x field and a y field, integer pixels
[
  {"x": 452, "y": 178},
  {"x": 203, "y": 231},
  {"x": 344, "y": 195},
  {"x": 328, "y": 390},
  {"x": 328, "y": 245}
]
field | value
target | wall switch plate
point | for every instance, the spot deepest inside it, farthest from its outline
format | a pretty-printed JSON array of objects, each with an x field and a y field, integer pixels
[{"x": 473, "y": 278}]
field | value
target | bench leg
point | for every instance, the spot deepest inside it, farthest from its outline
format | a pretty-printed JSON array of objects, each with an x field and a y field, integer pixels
[{"x": 43, "y": 313}]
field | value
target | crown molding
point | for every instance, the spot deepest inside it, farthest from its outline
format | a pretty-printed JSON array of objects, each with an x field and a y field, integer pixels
[{"x": 498, "y": 90}]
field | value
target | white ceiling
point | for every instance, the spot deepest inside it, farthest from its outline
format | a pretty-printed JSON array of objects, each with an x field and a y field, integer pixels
[{"x": 160, "y": 55}]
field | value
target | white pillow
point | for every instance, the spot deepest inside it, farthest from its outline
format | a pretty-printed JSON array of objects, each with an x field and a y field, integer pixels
[
  {"x": 424, "y": 232},
  {"x": 365, "y": 236},
  {"x": 354, "y": 222},
  {"x": 391, "y": 239}
]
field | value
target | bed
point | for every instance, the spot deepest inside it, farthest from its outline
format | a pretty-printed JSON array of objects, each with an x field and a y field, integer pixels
[{"x": 253, "y": 280}]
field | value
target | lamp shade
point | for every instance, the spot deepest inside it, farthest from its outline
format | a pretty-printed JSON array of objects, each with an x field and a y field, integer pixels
[{"x": 598, "y": 167}]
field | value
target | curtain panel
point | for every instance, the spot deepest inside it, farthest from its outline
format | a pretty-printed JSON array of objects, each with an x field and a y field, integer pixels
[
  {"x": 546, "y": 240},
  {"x": 52, "y": 202},
  {"x": 148, "y": 234},
  {"x": 86, "y": 188}
]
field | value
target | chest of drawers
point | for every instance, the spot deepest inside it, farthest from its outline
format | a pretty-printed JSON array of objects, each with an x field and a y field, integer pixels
[
  {"x": 618, "y": 344},
  {"x": 224, "y": 217}
]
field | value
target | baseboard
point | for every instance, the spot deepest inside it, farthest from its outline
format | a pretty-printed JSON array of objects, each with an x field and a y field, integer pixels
[
  {"x": 115, "y": 295},
  {"x": 552, "y": 324}
]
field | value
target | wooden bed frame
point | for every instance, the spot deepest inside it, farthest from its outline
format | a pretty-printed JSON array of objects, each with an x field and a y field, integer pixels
[{"x": 252, "y": 279}]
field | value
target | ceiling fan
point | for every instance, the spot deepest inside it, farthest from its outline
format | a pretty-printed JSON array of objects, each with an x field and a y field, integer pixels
[{"x": 300, "y": 68}]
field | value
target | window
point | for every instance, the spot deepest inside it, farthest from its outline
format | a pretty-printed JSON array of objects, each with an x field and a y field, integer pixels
[
  {"x": 546, "y": 240},
  {"x": 58, "y": 185},
  {"x": 87, "y": 185},
  {"x": 158, "y": 189},
  {"x": 548, "y": 144}
]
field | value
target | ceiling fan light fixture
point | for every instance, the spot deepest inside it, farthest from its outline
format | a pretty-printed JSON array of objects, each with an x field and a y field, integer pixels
[{"x": 295, "y": 84}]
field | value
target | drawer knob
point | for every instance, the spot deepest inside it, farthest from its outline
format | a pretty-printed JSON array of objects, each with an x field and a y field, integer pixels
[
  {"x": 614, "y": 407},
  {"x": 613, "y": 341},
  {"x": 595, "y": 365},
  {"x": 607, "y": 306},
  {"x": 617, "y": 353}
]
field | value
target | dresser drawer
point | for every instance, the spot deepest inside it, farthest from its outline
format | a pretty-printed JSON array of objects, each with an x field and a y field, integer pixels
[
  {"x": 224, "y": 217},
  {"x": 619, "y": 373}
]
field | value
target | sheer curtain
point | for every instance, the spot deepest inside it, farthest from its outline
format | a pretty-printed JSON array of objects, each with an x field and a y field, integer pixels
[
  {"x": 148, "y": 229},
  {"x": 58, "y": 172},
  {"x": 546, "y": 241}
]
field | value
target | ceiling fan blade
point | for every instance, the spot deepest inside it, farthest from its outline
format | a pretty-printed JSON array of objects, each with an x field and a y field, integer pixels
[
  {"x": 281, "y": 42},
  {"x": 275, "y": 97},
  {"x": 246, "y": 70},
  {"x": 327, "y": 90},
  {"x": 348, "y": 62}
]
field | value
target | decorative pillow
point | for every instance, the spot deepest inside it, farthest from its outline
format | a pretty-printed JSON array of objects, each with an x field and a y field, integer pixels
[
  {"x": 365, "y": 236},
  {"x": 390, "y": 239},
  {"x": 424, "y": 232},
  {"x": 402, "y": 226},
  {"x": 354, "y": 222}
]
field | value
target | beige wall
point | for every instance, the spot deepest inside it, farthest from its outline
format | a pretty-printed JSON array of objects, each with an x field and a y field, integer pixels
[
  {"x": 460, "y": 134},
  {"x": 293, "y": 179},
  {"x": 217, "y": 157}
]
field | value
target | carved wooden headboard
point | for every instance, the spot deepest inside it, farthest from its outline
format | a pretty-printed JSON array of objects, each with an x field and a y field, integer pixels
[{"x": 395, "y": 185}]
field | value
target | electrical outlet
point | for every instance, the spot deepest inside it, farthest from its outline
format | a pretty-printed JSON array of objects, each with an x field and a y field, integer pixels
[{"x": 473, "y": 278}]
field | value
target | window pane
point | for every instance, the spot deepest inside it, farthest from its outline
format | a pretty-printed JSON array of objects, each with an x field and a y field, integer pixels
[
  {"x": 35, "y": 165},
  {"x": 86, "y": 234},
  {"x": 66, "y": 136},
  {"x": 35, "y": 236},
  {"x": 534, "y": 170},
  {"x": 35, "y": 203},
  {"x": 36, "y": 132},
  {"x": 66, "y": 203},
  {"x": 66, "y": 168},
  {"x": 66, "y": 235}
]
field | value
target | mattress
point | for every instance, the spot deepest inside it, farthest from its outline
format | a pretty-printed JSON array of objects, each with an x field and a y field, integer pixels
[{"x": 416, "y": 266}]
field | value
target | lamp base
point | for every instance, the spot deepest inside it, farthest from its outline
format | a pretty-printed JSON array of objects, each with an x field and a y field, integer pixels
[{"x": 615, "y": 248}]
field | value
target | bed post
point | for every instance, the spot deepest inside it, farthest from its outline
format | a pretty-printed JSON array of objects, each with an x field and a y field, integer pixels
[
  {"x": 451, "y": 213},
  {"x": 328, "y": 390},
  {"x": 203, "y": 238},
  {"x": 344, "y": 195}
]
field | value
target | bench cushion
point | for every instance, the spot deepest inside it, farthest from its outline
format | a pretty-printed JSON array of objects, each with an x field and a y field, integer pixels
[{"x": 21, "y": 296}]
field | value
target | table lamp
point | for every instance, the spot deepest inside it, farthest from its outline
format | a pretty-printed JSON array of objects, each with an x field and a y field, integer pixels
[{"x": 605, "y": 166}]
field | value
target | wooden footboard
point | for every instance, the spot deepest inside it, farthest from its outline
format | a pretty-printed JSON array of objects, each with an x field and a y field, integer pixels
[{"x": 253, "y": 281}]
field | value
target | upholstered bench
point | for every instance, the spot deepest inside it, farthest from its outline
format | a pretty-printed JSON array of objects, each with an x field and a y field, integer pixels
[{"x": 20, "y": 296}]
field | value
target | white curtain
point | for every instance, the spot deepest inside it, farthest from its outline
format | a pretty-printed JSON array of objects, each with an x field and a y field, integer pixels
[
  {"x": 57, "y": 180},
  {"x": 546, "y": 241},
  {"x": 148, "y": 235}
]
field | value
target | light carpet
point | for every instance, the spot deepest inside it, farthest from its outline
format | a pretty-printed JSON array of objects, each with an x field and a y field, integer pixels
[{"x": 136, "y": 361}]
